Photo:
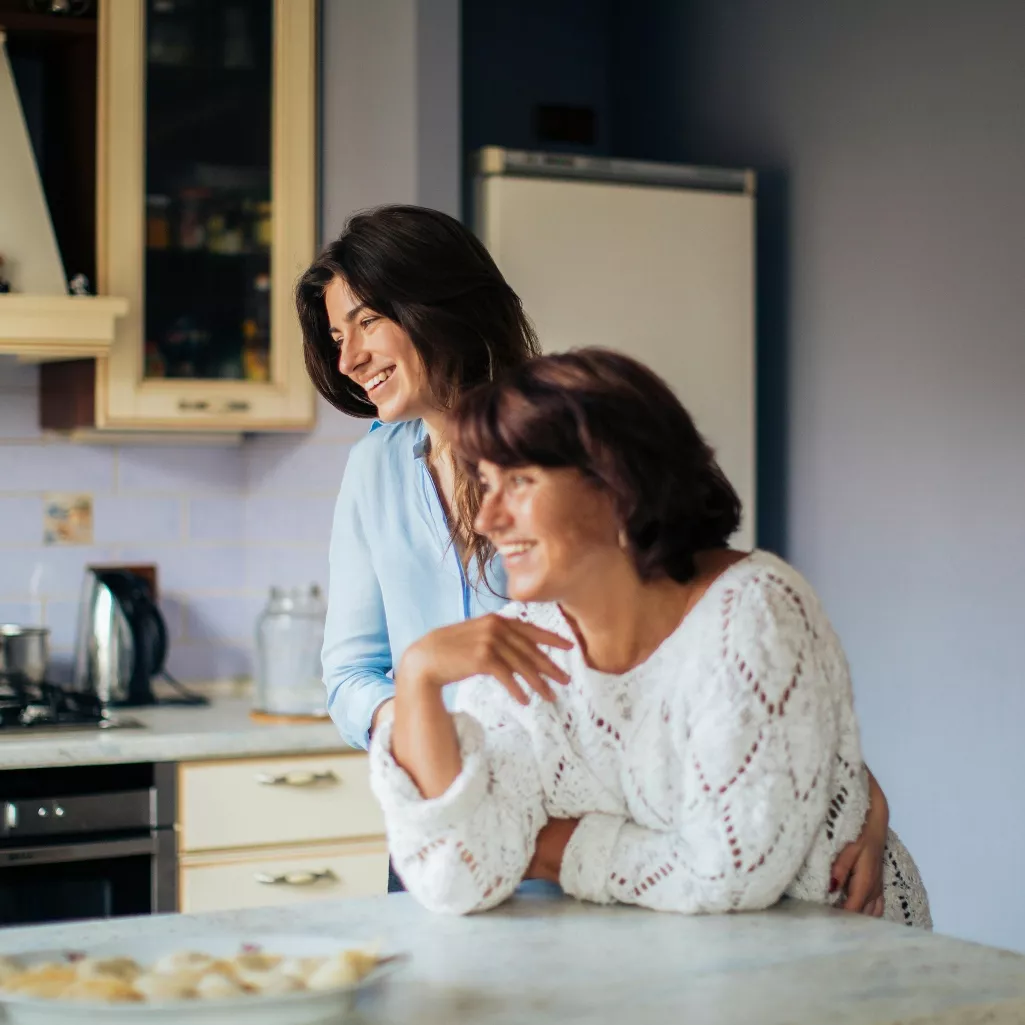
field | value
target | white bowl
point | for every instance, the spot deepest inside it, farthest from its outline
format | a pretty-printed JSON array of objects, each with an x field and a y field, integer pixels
[{"x": 305, "y": 1007}]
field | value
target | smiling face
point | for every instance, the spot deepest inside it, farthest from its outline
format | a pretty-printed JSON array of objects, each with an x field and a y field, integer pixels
[
  {"x": 378, "y": 355},
  {"x": 556, "y": 531}
]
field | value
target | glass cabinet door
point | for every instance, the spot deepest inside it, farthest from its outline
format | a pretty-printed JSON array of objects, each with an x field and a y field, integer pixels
[
  {"x": 207, "y": 204},
  {"x": 209, "y": 70}
]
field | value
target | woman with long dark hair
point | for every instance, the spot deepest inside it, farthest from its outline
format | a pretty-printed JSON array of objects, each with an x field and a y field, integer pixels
[{"x": 401, "y": 315}]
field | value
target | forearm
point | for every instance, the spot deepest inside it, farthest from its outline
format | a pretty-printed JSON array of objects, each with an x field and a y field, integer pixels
[
  {"x": 467, "y": 848},
  {"x": 424, "y": 739},
  {"x": 613, "y": 859}
]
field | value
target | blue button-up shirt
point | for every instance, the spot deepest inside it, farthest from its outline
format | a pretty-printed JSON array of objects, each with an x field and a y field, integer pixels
[{"x": 394, "y": 574}]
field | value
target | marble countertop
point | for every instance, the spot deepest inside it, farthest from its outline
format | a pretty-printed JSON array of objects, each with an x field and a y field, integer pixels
[
  {"x": 170, "y": 733},
  {"x": 553, "y": 960}
]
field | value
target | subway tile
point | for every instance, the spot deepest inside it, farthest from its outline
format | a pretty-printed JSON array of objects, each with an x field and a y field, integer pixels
[
  {"x": 48, "y": 571},
  {"x": 62, "y": 619},
  {"x": 298, "y": 518},
  {"x": 293, "y": 467},
  {"x": 198, "y": 663},
  {"x": 188, "y": 568},
  {"x": 217, "y": 519},
  {"x": 217, "y": 619},
  {"x": 181, "y": 469},
  {"x": 119, "y": 519},
  {"x": 56, "y": 467},
  {"x": 21, "y": 521},
  {"x": 15, "y": 376},
  {"x": 19, "y": 415},
  {"x": 172, "y": 608},
  {"x": 270, "y": 566},
  {"x": 21, "y": 613}
]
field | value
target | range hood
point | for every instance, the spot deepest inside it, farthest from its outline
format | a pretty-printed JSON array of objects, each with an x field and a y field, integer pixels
[{"x": 39, "y": 320}]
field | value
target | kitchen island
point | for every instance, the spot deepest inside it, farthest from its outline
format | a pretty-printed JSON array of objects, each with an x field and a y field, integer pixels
[{"x": 554, "y": 961}]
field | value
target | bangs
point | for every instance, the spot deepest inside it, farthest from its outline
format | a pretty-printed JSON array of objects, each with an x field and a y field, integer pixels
[{"x": 512, "y": 425}]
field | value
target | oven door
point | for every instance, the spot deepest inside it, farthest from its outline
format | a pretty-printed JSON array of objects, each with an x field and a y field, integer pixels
[{"x": 89, "y": 879}]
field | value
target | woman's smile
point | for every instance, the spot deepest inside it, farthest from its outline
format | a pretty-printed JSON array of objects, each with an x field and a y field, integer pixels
[
  {"x": 378, "y": 380},
  {"x": 514, "y": 552}
]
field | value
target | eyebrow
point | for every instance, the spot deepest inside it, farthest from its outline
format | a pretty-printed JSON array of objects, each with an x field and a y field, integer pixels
[{"x": 349, "y": 317}]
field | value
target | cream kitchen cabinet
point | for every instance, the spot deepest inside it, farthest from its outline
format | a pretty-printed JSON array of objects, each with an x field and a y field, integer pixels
[
  {"x": 206, "y": 201},
  {"x": 283, "y": 876},
  {"x": 255, "y": 831}
]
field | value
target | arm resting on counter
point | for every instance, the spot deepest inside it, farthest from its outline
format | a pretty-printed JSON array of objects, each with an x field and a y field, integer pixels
[{"x": 467, "y": 849}]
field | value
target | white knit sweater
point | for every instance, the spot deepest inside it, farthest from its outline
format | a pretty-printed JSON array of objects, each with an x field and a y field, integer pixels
[{"x": 721, "y": 773}]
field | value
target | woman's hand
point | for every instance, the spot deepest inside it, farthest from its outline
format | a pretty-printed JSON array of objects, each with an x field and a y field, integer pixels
[
  {"x": 489, "y": 645},
  {"x": 424, "y": 740},
  {"x": 858, "y": 868},
  {"x": 549, "y": 849}
]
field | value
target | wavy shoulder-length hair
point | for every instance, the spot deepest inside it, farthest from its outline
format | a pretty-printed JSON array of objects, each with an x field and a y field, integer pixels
[
  {"x": 433, "y": 277},
  {"x": 620, "y": 425}
]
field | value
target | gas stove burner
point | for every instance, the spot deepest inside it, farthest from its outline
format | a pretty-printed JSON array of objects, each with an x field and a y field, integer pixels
[{"x": 38, "y": 706}]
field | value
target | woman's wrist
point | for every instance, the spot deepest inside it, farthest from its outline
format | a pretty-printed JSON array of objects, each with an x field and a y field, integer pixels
[
  {"x": 414, "y": 673},
  {"x": 878, "y": 819},
  {"x": 384, "y": 711},
  {"x": 550, "y": 848}
]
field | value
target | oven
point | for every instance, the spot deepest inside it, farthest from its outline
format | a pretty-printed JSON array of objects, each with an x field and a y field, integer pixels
[{"x": 87, "y": 842}]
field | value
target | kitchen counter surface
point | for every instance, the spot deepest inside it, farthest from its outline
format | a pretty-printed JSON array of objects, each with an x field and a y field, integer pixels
[
  {"x": 553, "y": 960},
  {"x": 170, "y": 733}
]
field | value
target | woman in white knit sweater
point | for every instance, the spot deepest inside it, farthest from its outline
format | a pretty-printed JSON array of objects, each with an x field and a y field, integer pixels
[{"x": 656, "y": 719}]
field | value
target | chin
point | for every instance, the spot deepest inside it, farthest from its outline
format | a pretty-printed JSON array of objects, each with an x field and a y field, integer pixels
[
  {"x": 528, "y": 590},
  {"x": 393, "y": 413}
]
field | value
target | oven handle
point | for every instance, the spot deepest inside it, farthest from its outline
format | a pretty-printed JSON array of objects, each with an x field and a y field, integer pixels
[{"x": 12, "y": 857}]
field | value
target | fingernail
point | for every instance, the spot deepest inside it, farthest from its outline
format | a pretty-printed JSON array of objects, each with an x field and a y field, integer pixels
[{"x": 833, "y": 885}]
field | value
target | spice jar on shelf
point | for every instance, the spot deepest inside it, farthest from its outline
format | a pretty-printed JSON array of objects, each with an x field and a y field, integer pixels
[{"x": 158, "y": 224}]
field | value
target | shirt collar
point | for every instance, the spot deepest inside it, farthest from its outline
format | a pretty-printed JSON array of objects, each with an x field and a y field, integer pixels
[{"x": 421, "y": 439}]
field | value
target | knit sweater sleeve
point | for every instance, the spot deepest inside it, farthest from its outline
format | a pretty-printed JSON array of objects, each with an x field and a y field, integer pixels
[
  {"x": 468, "y": 849},
  {"x": 755, "y": 741}
]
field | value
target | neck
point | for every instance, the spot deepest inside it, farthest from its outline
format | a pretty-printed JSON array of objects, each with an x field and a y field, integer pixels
[
  {"x": 437, "y": 430},
  {"x": 621, "y": 623}
]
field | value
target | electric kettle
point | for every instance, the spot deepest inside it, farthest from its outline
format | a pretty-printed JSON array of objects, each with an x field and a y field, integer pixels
[{"x": 122, "y": 638}]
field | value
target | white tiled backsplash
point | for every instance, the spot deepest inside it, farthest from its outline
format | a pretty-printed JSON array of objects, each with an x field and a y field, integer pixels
[{"x": 222, "y": 524}]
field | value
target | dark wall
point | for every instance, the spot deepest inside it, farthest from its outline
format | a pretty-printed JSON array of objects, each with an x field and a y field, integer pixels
[{"x": 518, "y": 54}]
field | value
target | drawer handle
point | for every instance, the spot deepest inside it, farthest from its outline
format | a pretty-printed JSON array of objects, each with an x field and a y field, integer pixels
[
  {"x": 297, "y": 779},
  {"x": 202, "y": 406},
  {"x": 296, "y": 878}
]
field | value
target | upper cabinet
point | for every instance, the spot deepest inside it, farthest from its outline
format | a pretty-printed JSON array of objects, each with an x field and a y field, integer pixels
[{"x": 205, "y": 216}]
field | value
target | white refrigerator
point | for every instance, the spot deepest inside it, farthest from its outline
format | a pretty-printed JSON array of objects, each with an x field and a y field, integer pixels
[{"x": 654, "y": 260}]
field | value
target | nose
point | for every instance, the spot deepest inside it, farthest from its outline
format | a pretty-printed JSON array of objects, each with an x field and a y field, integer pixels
[
  {"x": 493, "y": 515},
  {"x": 352, "y": 355}
]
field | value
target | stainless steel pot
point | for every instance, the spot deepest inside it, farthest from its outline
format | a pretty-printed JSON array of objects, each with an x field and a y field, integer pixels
[{"x": 24, "y": 651}]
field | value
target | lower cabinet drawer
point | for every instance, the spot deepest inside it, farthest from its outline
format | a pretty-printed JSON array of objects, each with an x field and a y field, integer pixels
[
  {"x": 289, "y": 876},
  {"x": 275, "y": 802}
]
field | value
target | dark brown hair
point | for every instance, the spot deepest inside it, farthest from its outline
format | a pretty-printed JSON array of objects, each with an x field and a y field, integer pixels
[
  {"x": 434, "y": 278},
  {"x": 620, "y": 425}
]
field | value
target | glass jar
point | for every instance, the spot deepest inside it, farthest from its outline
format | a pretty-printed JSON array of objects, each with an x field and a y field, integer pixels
[{"x": 289, "y": 636}]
